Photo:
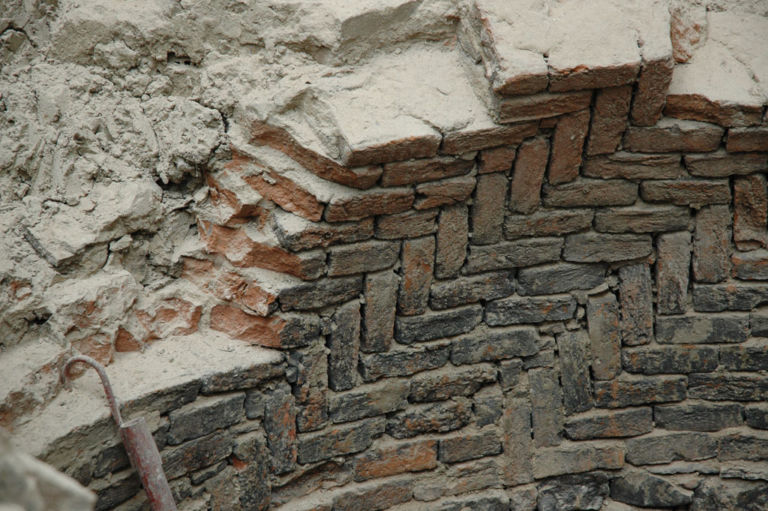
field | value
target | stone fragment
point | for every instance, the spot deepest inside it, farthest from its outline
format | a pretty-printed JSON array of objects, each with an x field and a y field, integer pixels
[
  {"x": 430, "y": 418},
  {"x": 634, "y": 166},
  {"x": 517, "y": 444},
  {"x": 280, "y": 426},
  {"x": 756, "y": 416},
  {"x": 604, "y": 335},
  {"x": 435, "y": 325},
  {"x": 670, "y": 359},
  {"x": 592, "y": 247},
  {"x": 547, "y": 412},
  {"x": 673, "y": 252},
  {"x": 513, "y": 254},
  {"x": 716, "y": 495},
  {"x": 517, "y": 310},
  {"x": 747, "y": 139},
  {"x": 470, "y": 446},
  {"x": 418, "y": 258},
  {"x": 411, "y": 224},
  {"x": 522, "y": 498},
  {"x": 573, "y": 348},
  {"x": 362, "y": 257},
  {"x": 750, "y": 356},
  {"x": 359, "y": 205},
  {"x": 591, "y": 193},
  {"x": 573, "y": 492},
  {"x": 750, "y": 265},
  {"x": 750, "y": 212},
  {"x": 744, "y": 446},
  {"x": 320, "y": 293},
  {"x": 728, "y": 387},
  {"x": 702, "y": 329},
  {"x": 368, "y": 401},
  {"x": 687, "y": 192},
  {"x": 609, "y": 120},
  {"x": 723, "y": 164},
  {"x": 559, "y": 278},
  {"x": 380, "y": 292},
  {"x": 642, "y": 219},
  {"x": 567, "y": 146},
  {"x": 339, "y": 441},
  {"x": 643, "y": 489},
  {"x": 444, "y": 384},
  {"x": 310, "y": 388},
  {"x": 444, "y": 193},
  {"x": 735, "y": 296},
  {"x": 671, "y": 135},
  {"x": 693, "y": 416},
  {"x": 662, "y": 447},
  {"x": 421, "y": 171},
  {"x": 652, "y": 87},
  {"x": 344, "y": 345},
  {"x": 609, "y": 424},
  {"x": 577, "y": 458},
  {"x": 452, "y": 239},
  {"x": 465, "y": 290},
  {"x": 488, "y": 209},
  {"x": 539, "y": 106},
  {"x": 530, "y": 166},
  {"x": 758, "y": 322},
  {"x": 636, "y": 298},
  {"x": 396, "y": 458},
  {"x": 403, "y": 362},
  {"x": 488, "y": 405},
  {"x": 375, "y": 496},
  {"x": 204, "y": 416},
  {"x": 494, "y": 344},
  {"x": 547, "y": 223},
  {"x": 711, "y": 247},
  {"x": 498, "y": 159},
  {"x": 631, "y": 391}
]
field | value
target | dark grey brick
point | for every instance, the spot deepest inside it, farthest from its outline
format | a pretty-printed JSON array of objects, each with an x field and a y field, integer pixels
[
  {"x": 547, "y": 413},
  {"x": 280, "y": 426},
  {"x": 643, "y": 489},
  {"x": 672, "y": 268},
  {"x": 404, "y": 362},
  {"x": 516, "y": 310},
  {"x": 661, "y": 447},
  {"x": 636, "y": 299},
  {"x": 547, "y": 223},
  {"x": 711, "y": 244},
  {"x": 379, "y": 311},
  {"x": 196, "y": 454},
  {"x": 728, "y": 387},
  {"x": 470, "y": 446},
  {"x": 573, "y": 348},
  {"x": 484, "y": 345},
  {"x": 368, "y": 401},
  {"x": 605, "y": 335},
  {"x": 518, "y": 445},
  {"x": 341, "y": 440},
  {"x": 436, "y": 325},
  {"x": 320, "y": 293},
  {"x": 609, "y": 424},
  {"x": 559, "y": 278},
  {"x": 729, "y": 297},
  {"x": 513, "y": 254},
  {"x": 465, "y": 290},
  {"x": 642, "y": 219},
  {"x": 692, "y": 416},
  {"x": 362, "y": 257},
  {"x": 619, "y": 393},
  {"x": 430, "y": 418},
  {"x": 670, "y": 359},
  {"x": 204, "y": 416},
  {"x": 573, "y": 492},
  {"x": 751, "y": 357},
  {"x": 756, "y": 416},
  {"x": 717, "y": 495},
  {"x": 700, "y": 329},
  {"x": 744, "y": 446},
  {"x": 758, "y": 323},
  {"x": 344, "y": 345},
  {"x": 488, "y": 405},
  {"x": 448, "y": 382}
]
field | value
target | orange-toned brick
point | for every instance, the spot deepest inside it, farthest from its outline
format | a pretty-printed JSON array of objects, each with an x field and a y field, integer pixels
[
  {"x": 286, "y": 331},
  {"x": 286, "y": 193},
  {"x": 396, "y": 459}
]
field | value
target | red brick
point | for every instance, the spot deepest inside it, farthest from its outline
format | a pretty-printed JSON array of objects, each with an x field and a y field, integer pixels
[
  {"x": 364, "y": 204},
  {"x": 172, "y": 316},
  {"x": 670, "y": 136},
  {"x": 697, "y": 107},
  {"x": 296, "y": 234},
  {"x": 687, "y": 192},
  {"x": 609, "y": 120},
  {"x": 747, "y": 139},
  {"x": 278, "y": 138},
  {"x": 420, "y": 171},
  {"x": 750, "y": 212},
  {"x": 444, "y": 193},
  {"x": 711, "y": 246},
  {"x": 652, "y": 87},
  {"x": 531, "y": 163},
  {"x": 452, "y": 240},
  {"x": 488, "y": 209},
  {"x": 125, "y": 341},
  {"x": 97, "y": 346},
  {"x": 418, "y": 266},
  {"x": 460, "y": 142},
  {"x": 224, "y": 194},
  {"x": 286, "y": 193},
  {"x": 498, "y": 159},
  {"x": 411, "y": 224},
  {"x": 396, "y": 458},
  {"x": 539, "y": 106},
  {"x": 287, "y": 331},
  {"x": 567, "y": 146},
  {"x": 589, "y": 77}
]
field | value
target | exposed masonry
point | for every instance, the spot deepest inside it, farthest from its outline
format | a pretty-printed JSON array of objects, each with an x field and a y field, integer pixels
[{"x": 547, "y": 295}]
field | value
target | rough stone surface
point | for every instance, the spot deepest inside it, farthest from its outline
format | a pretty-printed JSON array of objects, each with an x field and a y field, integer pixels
[
  {"x": 464, "y": 290},
  {"x": 418, "y": 257},
  {"x": 603, "y": 323},
  {"x": 567, "y": 147},
  {"x": 487, "y": 216},
  {"x": 698, "y": 416},
  {"x": 514, "y": 310},
  {"x": 635, "y": 297},
  {"x": 646, "y": 490},
  {"x": 528, "y": 175},
  {"x": 514, "y": 254},
  {"x": 574, "y": 351},
  {"x": 609, "y": 120},
  {"x": 547, "y": 223},
  {"x": 380, "y": 291},
  {"x": 559, "y": 278},
  {"x": 672, "y": 272},
  {"x": 609, "y": 424},
  {"x": 451, "y": 242},
  {"x": 750, "y": 212},
  {"x": 437, "y": 324}
]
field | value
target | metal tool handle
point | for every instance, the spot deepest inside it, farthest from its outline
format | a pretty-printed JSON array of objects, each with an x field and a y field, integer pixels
[{"x": 114, "y": 405}]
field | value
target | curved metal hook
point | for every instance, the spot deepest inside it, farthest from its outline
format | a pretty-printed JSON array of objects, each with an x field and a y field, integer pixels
[{"x": 114, "y": 405}]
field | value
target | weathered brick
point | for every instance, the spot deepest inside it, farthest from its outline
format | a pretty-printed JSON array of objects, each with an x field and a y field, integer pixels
[
  {"x": 411, "y": 224},
  {"x": 284, "y": 331},
  {"x": 687, "y": 192},
  {"x": 338, "y": 441},
  {"x": 604, "y": 335},
  {"x": 723, "y": 164},
  {"x": 634, "y": 166},
  {"x": 530, "y": 166},
  {"x": 633, "y": 391},
  {"x": 362, "y": 257},
  {"x": 472, "y": 139},
  {"x": 702, "y": 329},
  {"x": 446, "y": 383},
  {"x": 470, "y": 446},
  {"x": 669, "y": 359},
  {"x": 577, "y": 458},
  {"x": 498, "y": 159},
  {"x": 196, "y": 454},
  {"x": 747, "y": 139},
  {"x": 319, "y": 294},
  {"x": 646, "y": 490},
  {"x": 609, "y": 424},
  {"x": 423, "y": 144},
  {"x": 444, "y": 193},
  {"x": 418, "y": 263},
  {"x": 593, "y": 247},
  {"x": 343, "y": 346},
  {"x": 359, "y": 205},
  {"x": 751, "y": 356},
  {"x": 204, "y": 416},
  {"x": 488, "y": 209},
  {"x": 404, "y": 362},
  {"x": 392, "y": 458},
  {"x": 368, "y": 401},
  {"x": 544, "y": 358},
  {"x": 750, "y": 212},
  {"x": 693, "y": 416},
  {"x": 590, "y": 193},
  {"x": 663, "y": 447},
  {"x": 513, "y": 254},
  {"x": 671, "y": 135},
  {"x": 437, "y": 324},
  {"x": 744, "y": 446},
  {"x": 515, "y": 310},
  {"x": 547, "y": 223},
  {"x": 486, "y": 345},
  {"x": 567, "y": 146},
  {"x": 430, "y": 418},
  {"x": 641, "y": 219},
  {"x": 280, "y": 426},
  {"x": 652, "y": 86},
  {"x": 573, "y": 348},
  {"x": 295, "y": 233},
  {"x": 758, "y": 322},
  {"x": 750, "y": 265},
  {"x": 488, "y": 405},
  {"x": 523, "y": 498},
  {"x": 547, "y": 412},
  {"x": 421, "y": 171},
  {"x": 559, "y": 278},
  {"x": 464, "y": 290},
  {"x": 728, "y": 387},
  {"x": 380, "y": 293},
  {"x": 711, "y": 246},
  {"x": 286, "y": 191},
  {"x": 636, "y": 298},
  {"x": 452, "y": 240},
  {"x": 756, "y": 416},
  {"x": 587, "y": 491},
  {"x": 733, "y": 297},
  {"x": 517, "y": 443},
  {"x": 672, "y": 269},
  {"x": 310, "y": 388},
  {"x": 539, "y": 106},
  {"x": 609, "y": 120},
  {"x": 716, "y": 494}
]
